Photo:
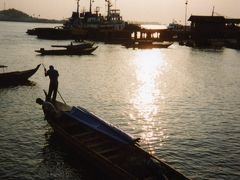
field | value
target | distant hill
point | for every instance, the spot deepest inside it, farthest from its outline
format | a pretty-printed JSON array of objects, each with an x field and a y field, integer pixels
[{"x": 19, "y": 16}]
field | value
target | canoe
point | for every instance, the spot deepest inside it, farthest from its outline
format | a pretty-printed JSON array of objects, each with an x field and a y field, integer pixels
[
  {"x": 113, "y": 152},
  {"x": 72, "y": 51},
  {"x": 17, "y": 77}
]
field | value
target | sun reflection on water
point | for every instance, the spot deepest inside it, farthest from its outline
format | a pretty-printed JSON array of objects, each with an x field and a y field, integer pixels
[{"x": 149, "y": 65}]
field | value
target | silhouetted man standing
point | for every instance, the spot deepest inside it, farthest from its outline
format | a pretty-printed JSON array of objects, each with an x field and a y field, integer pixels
[{"x": 53, "y": 86}]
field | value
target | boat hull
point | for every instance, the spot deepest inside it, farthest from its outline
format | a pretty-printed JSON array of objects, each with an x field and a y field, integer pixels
[
  {"x": 86, "y": 51},
  {"x": 116, "y": 159},
  {"x": 54, "y": 33},
  {"x": 17, "y": 77}
]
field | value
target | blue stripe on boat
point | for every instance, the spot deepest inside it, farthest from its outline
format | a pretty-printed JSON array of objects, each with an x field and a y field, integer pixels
[{"x": 83, "y": 116}]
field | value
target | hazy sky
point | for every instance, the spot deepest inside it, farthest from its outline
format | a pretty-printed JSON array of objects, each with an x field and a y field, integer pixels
[{"x": 162, "y": 11}]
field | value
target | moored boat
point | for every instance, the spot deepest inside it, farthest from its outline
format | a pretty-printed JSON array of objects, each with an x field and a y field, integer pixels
[
  {"x": 89, "y": 25},
  {"x": 106, "y": 147},
  {"x": 16, "y": 77},
  {"x": 76, "y": 45},
  {"x": 67, "y": 51},
  {"x": 145, "y": 44}
]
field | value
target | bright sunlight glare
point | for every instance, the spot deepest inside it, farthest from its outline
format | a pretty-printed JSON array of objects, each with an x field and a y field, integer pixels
[{"x": 148, "y": 65}]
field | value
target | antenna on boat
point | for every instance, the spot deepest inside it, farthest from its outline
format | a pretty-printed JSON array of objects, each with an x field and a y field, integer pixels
[
  {"x": 213, "y": 11},
  {"x": 97, "y": 9},
  {"x": 4, "y": 5},
  {"x": 186, "y": 3},
  {"x": 90, "y": 8},
  {"x": 78, "y": 6},
  {"x": 109, "y": 5}
]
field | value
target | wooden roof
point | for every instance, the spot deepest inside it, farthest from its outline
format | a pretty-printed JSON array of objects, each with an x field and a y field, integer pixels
[
  {"x": 217, "y": 19},
  {"x": 235, "y": 21}
]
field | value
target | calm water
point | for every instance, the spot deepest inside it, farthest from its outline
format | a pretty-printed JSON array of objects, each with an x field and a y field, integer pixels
[{"x": 183, "y": 103}]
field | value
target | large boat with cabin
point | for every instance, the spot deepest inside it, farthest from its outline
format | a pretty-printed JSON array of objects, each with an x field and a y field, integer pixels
[{"x": 90, "y": 25}]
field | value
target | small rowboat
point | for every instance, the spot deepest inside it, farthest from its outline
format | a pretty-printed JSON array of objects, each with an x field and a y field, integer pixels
[
  {"x": 67, "y": 51},
  {"x": 106, "y": 147},
  {"x": 16, "y": 77}
]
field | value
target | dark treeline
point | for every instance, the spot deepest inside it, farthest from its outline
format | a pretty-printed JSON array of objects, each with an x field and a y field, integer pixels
[{"x": 19, "y": 16}]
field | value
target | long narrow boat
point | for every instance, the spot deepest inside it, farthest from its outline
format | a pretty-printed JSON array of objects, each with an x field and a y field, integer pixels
[
  {"x": 106, "y": 147},
  {"x": 67, "y": 51},
  {"x": 147, "y": 44},
  {"x": 81, "y": 45},
  {"x": 16, "y": 77}
]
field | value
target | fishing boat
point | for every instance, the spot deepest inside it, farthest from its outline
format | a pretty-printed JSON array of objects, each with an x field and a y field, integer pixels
[
  {"x": 76, "y": 45},
  {"x": 74, "y": 50},
  {"x": 89, "y": 25},
  {"x": 16, "y": 77},
  {"x": 112, "y": 151}
]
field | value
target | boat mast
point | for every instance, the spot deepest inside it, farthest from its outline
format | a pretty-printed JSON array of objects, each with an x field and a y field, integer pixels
[
  {"x": 90, "y": 8},
  {"x": 109, "y": 5},
  {"x": 186, "y": 3},
  {"x": 78, "y": 7},
  {"x": 213, "y": 11}
]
